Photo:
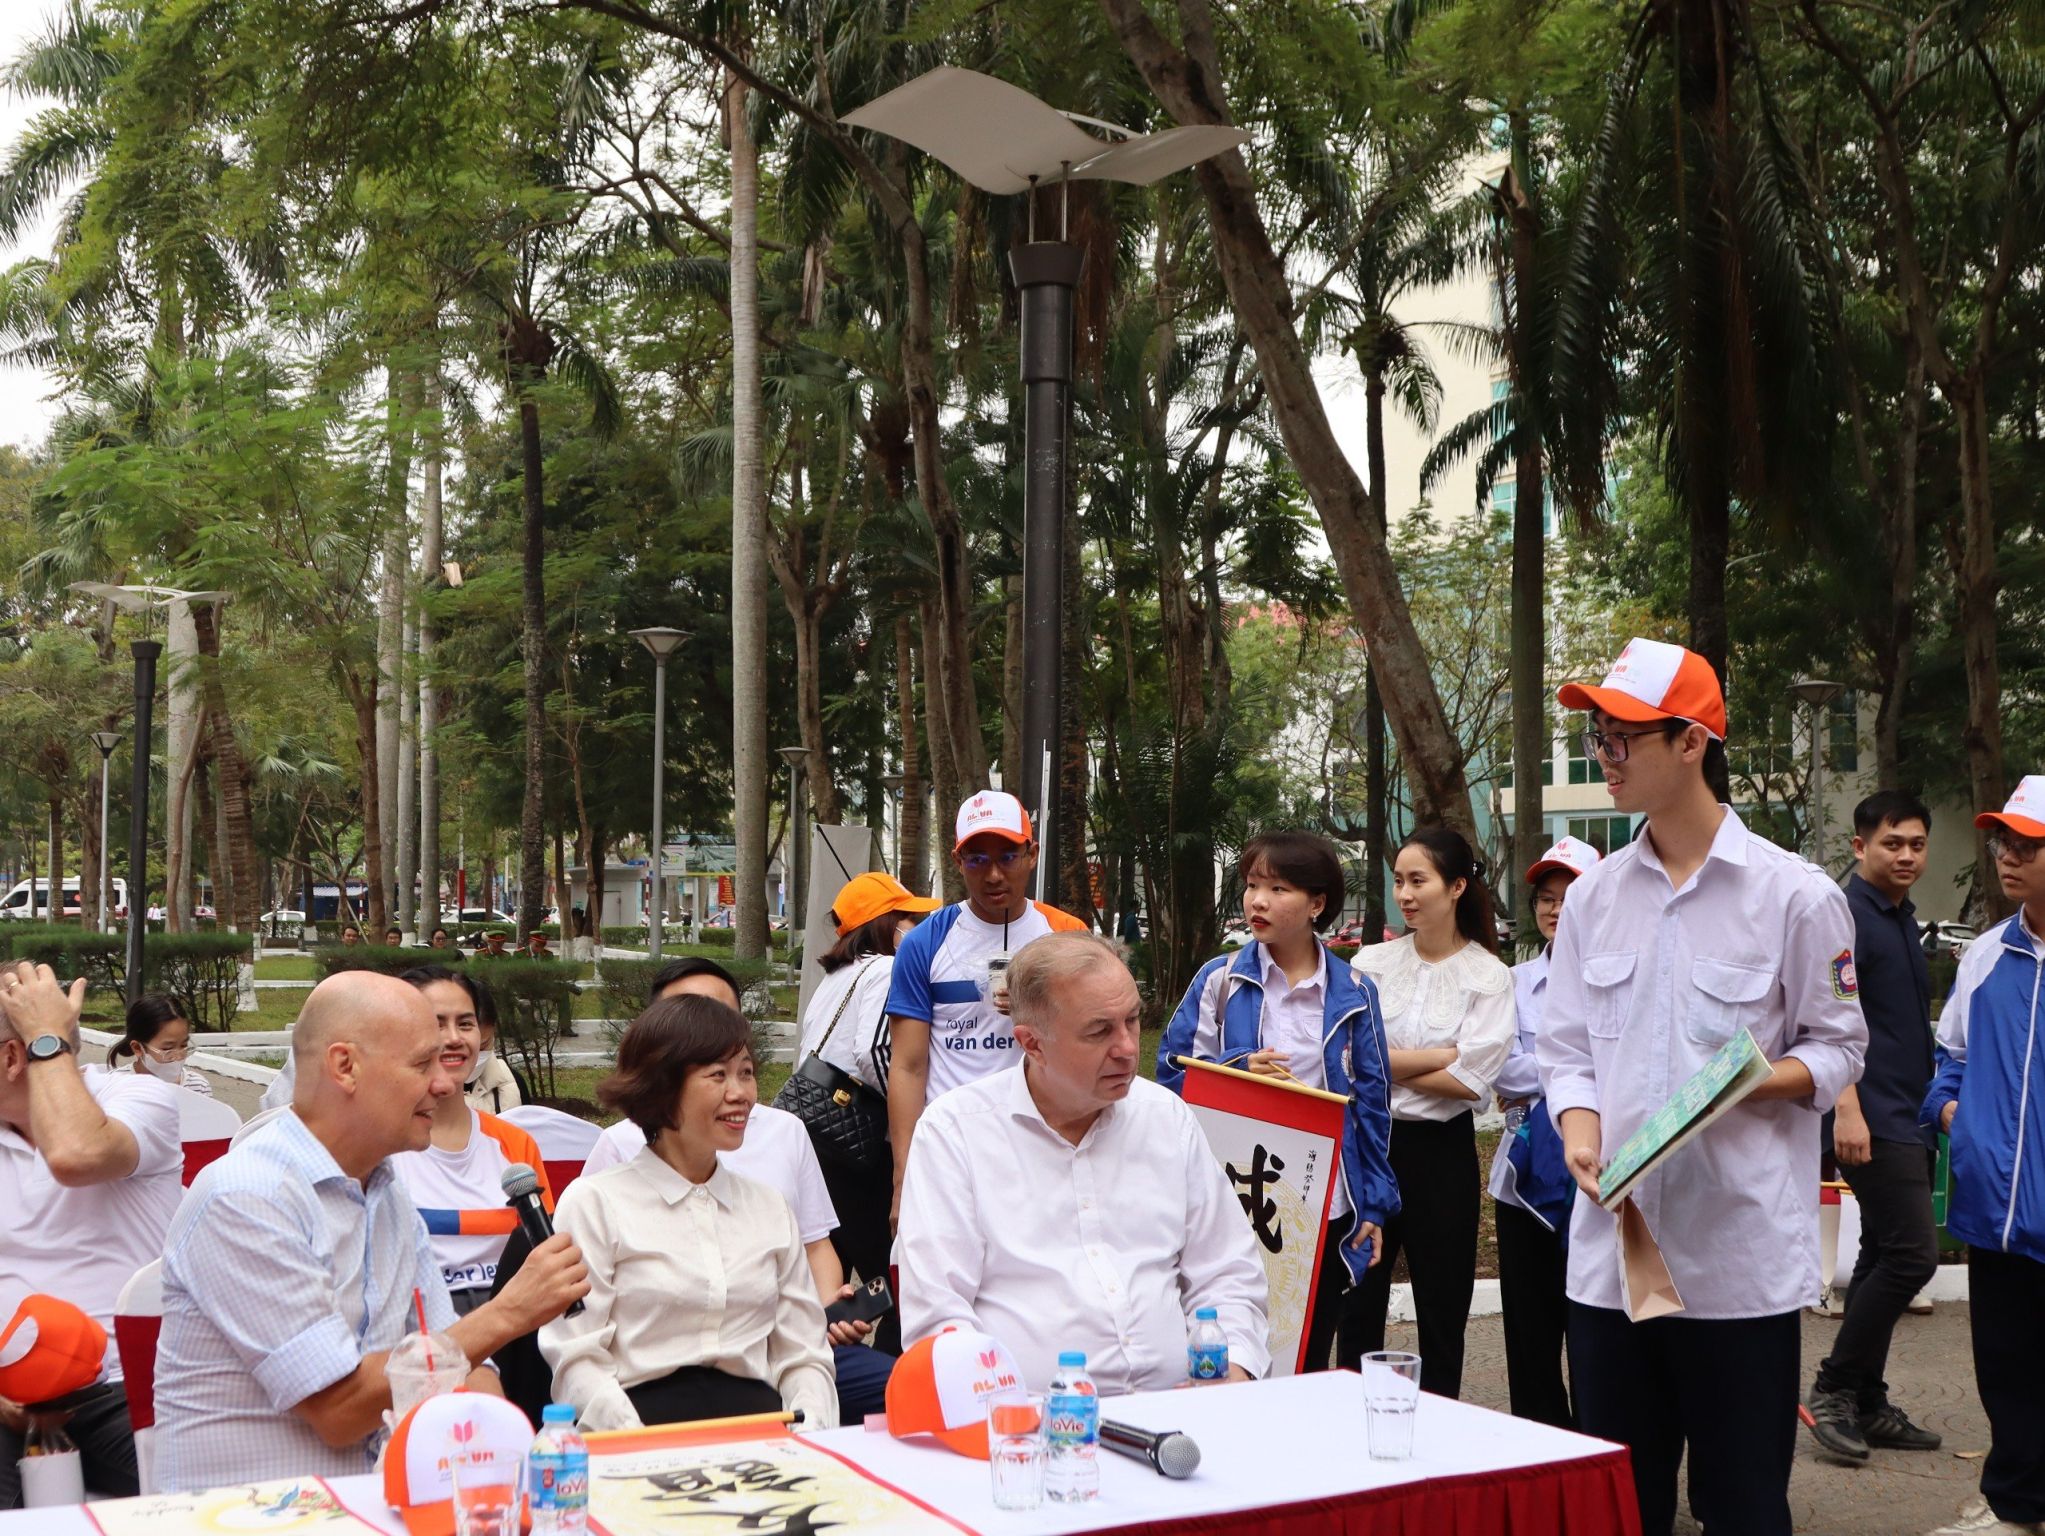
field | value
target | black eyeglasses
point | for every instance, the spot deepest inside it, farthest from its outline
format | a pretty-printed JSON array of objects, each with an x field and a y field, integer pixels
[
  {"x": 1612, "y": 746},
  {"x": 977, "y": 862},
  {"x": 2007, "y": 845},
  {"x": 1547, "y": 903}
]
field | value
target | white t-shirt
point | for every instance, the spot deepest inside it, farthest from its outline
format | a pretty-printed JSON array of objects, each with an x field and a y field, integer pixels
[
  {"x": 859, "y": 1038},
  {"x": 460, "y": 1196},
  {"x": 940, "y": 976},
  {"x": 776, "y": 1152},
  {"x": 84, "y": 1244}
]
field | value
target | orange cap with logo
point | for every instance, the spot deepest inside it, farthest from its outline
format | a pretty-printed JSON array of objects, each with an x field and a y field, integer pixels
[
  {"x": 1654, "y": 680},
  {"x": 995, "y": 811},
  {"x": 875, "y": 894},
  {"x": 418, "y": 1465},
  {"x": 50, "y": 1348},
  {"x": 943, "y": 1386},
  {"x": 2025, "y": 812}
]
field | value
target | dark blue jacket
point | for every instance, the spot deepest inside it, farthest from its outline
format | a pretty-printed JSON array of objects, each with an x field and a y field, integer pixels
[{"x": 1353, "y": 1059}]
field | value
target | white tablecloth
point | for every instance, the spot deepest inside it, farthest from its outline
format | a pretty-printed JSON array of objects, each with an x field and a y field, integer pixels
[{"x": 1261, "y": 1443}]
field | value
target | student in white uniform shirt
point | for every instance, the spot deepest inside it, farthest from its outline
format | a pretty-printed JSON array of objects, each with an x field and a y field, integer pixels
[
  {"x": 1073, "y": 1204},
  {"x": 1530, "y": 1185},
  {"x": 157, "y": 1040},
  {"x": 944, "y": 1025},
  {"x": 1695, "y": 931}
]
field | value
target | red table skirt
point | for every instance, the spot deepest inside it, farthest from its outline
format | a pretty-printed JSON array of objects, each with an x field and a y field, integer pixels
[{"x": 1591, "y": 1496}]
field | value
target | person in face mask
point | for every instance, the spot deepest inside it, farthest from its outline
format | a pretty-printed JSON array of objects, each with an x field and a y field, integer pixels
[
  {"x": 157, "y": 1041},
  {"x": 490, "y": 1084}
]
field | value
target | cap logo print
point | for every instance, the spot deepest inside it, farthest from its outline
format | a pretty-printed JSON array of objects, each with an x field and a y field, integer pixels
[{"x": 989, "y": 1358}]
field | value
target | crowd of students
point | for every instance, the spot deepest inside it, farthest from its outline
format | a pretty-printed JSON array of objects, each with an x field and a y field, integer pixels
[{"x": 968, "y": 1108}]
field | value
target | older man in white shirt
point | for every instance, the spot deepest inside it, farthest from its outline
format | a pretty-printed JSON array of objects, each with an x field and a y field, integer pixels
[
  {"x": 1667, "y": 950},
  {"x": 1073, "y": 1204}
]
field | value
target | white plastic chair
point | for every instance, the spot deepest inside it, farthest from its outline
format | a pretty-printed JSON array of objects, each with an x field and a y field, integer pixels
[
  {"x": 206, "y": 1126},
  {"x": 138, "y": 1319},
  {"x": 565, "y": 1141},
  {"x": 254, "y": 1123}
]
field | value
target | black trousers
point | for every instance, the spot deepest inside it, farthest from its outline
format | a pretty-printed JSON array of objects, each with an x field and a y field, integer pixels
[
  {"x": 106, "y": 1447},
  {"x": 1533, "y": 1271},
  {"x": 1332, "y": 1297},
  {"x": 1726, "y": 1387},
  {"x": 862, "y": 1237},
  {"x": 2006, "y": 1300},
  {"x": 699, "y": 1392},
  {"x": 1898, "y": 1254},
  {"x": 1435, "y": 1162}
]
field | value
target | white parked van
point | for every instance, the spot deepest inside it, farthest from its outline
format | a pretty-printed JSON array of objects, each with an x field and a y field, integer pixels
[{"x": 18, "y": 903}]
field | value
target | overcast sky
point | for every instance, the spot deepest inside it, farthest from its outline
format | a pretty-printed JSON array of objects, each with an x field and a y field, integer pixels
[{"x": 25, "y": 414}]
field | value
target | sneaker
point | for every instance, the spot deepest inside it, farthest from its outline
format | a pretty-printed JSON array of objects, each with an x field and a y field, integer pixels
[
  {"x": 1920, "y": 1304},
  {"x": 1835, "y": 1421},
  {"x": 1889, "y": 1427},
  {"x": 1977, "y": 1519}
]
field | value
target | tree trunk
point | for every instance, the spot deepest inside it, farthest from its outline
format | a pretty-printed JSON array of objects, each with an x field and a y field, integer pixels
[
  {"x": 1976, "y": 578},
  {"x": 1074, "y": 885},
  {"x": 408, "y": 784},
  {"x": 532, "y": 829},
  {"x": 750, "y": 768},
  {"x": 913, "y": 854},
  {"x": 390, "y": 621},
  {"x": 57, "y": 903},
  {"x": 90, "y": 852},
  {"x": 231, "y": 774},
  {"x": 943, "y": 767},
  {"x": 429, "y": 637},
  {"x": 206, "y": 825},
  {"x": 593, "y": 884},
  {"x": 1188, "y": 82},
  {"x": 1896, "y": 647},
  {"x": 1529, "y": 646},
  {"x": 1377, "y": 768},
  {"x": 361, "y": 690}
]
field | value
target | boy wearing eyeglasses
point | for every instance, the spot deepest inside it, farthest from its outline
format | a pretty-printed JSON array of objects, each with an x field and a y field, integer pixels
[
  {"x": 945, "y": 1024},
  {"x": 1693, "y": 932},
  {"x": 1989, "y": 1094}
]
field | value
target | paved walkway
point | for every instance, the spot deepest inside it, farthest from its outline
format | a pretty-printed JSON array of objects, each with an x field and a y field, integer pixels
[{"x": 1898, "y": 1493}]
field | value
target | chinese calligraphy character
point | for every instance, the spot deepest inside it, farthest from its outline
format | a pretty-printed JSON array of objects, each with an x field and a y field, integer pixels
[{"x": 1264, "y": 1169}]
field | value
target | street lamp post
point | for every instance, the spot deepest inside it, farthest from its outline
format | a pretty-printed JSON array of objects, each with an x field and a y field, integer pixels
[
  {"x": 795, "y": 757},
  {"x": 1817, "y": 692},
  {"x": 661, "y": 644},
  {"x": 1004, "y": 141},
  {"x": 106, "y": 741}
]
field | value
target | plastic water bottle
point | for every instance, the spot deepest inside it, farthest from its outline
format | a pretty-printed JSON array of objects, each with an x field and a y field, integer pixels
[
  {"x": 1072, "y": 1433},
  {"x": 557, "y": 1475},
  {"x": 1206, "y": 1348}
]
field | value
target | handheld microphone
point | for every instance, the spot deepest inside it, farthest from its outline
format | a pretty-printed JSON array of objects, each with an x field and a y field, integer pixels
[
  {"x": 522, "y": 1193},
  {"x": 1168, "y": 1452}
]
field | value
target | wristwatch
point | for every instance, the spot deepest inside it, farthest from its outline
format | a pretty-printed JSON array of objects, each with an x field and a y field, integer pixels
[{"x": 49, "y": 1047}]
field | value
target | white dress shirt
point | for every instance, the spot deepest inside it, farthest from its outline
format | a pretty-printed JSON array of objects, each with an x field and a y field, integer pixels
[
  {"x": 1520, "y": 1077},
  {"x": 708, "y": 1274},
  {"x": 1108, "y": 1246},
  {"x": 777, "y": 1152},
  {"x": 1647, "y": 983},
  {"x": 83, "y": 1244},
  {"x": 1464, "y": 1001}
]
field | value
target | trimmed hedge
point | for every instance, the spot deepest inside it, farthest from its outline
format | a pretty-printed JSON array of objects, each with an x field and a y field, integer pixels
[
  {"x": 625, "y": 983},
  {"x": 202, "y": 971}
]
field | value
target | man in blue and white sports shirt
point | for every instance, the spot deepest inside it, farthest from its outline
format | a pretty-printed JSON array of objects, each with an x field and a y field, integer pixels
[
  {"x": 1990, "y": 1096},
  {"x": 944, "y": 1027}
]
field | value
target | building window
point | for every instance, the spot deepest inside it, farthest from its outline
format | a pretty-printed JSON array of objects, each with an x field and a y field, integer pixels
[
  {"x": 1604, "y": 833},
  {"x": 1842, "y": 728},
  {"x": 1582, "y": 770}
]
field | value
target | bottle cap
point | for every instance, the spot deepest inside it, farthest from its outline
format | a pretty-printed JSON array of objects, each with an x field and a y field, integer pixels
[
  {"x": 1206, "y": 1315},
  {"x": 558, "y": 1413},
  {"x": 1072, "y": 1357}
]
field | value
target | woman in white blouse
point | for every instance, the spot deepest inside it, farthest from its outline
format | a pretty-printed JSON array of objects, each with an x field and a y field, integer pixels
[
  {"x": 701, "y": 1302},
  {"x": 1448, "y": 1011}
]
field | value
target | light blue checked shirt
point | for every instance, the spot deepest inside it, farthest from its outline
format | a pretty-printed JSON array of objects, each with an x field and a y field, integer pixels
[{"x": 280, "y": 1273}]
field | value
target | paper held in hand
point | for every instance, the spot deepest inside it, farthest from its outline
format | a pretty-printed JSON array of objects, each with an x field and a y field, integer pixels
[{"x": 1736, "y": 1071}]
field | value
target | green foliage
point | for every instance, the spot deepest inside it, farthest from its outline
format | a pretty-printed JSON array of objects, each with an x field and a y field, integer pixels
[{"x": 201, "y": 971}]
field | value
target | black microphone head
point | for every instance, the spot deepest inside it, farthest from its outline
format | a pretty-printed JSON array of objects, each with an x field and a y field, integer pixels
[
  {"x": 518, "y": 1181},
  {"x": 1177, "y": 1455}
]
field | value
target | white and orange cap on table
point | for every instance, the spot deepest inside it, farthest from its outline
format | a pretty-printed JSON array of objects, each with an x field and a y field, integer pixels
[
  {"x": 995, "y": 811},
  {"x": 2024, "y": 814},
  {"x": 1570, "y": 854},
  {"x": 1654, "y": 680},
  {"x": 418, "y": 1466},
  {"x": 944, "y": 1386}
]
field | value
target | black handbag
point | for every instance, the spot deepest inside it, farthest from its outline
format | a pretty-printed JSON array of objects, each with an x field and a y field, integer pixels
[{"x": 847, "y": 1121}]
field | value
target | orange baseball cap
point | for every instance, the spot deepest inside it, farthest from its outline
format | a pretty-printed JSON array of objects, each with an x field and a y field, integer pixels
[
  {"x": 942, "y": 1386},
  {"x": 418, "y": 1466},
  {"x": 875, "y": 894},
  {"x": 48, "y": 1349},
  {"x": 992, "y": 810},
  {"x": 1570, "y": 854},
  {"x": 2025, "y": 812},
  {"x": 1654, "y": 680}
]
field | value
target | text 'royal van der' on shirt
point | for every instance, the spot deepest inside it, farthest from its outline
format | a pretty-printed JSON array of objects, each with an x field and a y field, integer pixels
[
  {"x": 941, "y": 977},
  {"x": 1646, "y": 984},
  {"x": 1464, "y": 1001}
]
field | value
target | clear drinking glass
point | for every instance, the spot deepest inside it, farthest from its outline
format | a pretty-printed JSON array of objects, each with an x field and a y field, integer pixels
[
  {"x": 1391, "y": 1397},
  {"x": 489, "y": 1493},
  {"x": 1015, "y": 1450}
]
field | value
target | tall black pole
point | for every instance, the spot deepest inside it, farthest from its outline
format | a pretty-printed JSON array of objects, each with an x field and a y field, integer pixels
[
  {"x": 1047, "y": 274},
  {"x": 145, "y": 652}
]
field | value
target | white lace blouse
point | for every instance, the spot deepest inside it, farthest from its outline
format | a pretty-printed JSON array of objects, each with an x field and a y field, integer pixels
[{"x": 1464, "y": 1001}]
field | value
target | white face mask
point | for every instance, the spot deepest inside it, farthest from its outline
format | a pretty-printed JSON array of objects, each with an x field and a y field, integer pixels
[
  {"x": 172, "y": 1072},
  {"x": 476, "y": 1067}
]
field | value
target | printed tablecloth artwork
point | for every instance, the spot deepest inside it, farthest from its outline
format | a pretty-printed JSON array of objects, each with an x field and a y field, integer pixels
[{"x": 292, "y": 1506}]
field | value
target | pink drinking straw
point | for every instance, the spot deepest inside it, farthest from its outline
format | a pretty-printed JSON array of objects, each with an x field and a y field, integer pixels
[{"x": 419, "y": 1303}]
